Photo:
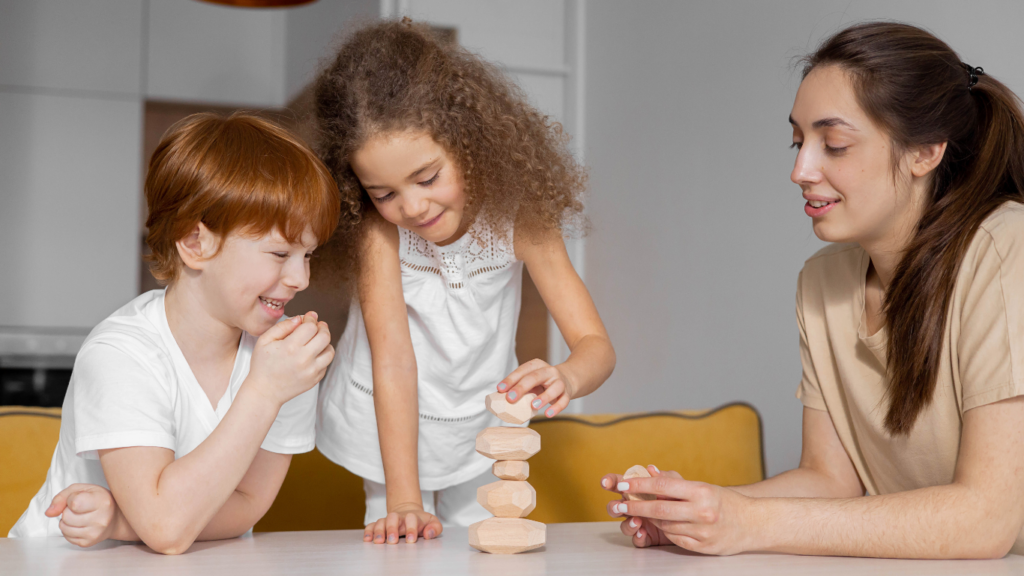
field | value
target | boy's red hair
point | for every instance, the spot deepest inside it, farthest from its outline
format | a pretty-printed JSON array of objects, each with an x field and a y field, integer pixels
[{"x": 240, "y": 173}]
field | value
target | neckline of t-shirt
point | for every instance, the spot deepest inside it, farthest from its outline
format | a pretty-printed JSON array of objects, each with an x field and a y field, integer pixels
[
  {"x": 879, "y": 339},
  {"x": 182, "y": 367}
]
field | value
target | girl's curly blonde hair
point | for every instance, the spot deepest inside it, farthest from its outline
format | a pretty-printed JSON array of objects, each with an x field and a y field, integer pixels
[{"x": 395, "y": 76}]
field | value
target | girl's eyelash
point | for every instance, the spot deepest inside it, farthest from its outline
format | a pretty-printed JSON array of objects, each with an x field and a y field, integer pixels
[
  {"x": 832, "y": 150},
  {"x": 280, "y": 254},
  {"x": 385, "y": 197},
  {"x": 432, "y": 179},
  {"x": 796, "y": 145}
]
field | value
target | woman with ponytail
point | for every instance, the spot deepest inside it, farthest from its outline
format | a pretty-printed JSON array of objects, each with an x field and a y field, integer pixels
[{"x": 911, "y": 322}]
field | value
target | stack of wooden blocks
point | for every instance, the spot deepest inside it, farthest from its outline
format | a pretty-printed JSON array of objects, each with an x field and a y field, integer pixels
[{"x": 511, "y": 498}]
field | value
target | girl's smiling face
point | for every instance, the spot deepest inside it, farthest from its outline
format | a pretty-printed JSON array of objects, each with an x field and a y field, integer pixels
[
  {"x": 844, "y": 165},
  {"x": 414, "y": 184}
]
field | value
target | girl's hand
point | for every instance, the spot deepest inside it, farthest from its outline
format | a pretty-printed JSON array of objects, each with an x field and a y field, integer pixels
[
  {"x": 693, "y": 515},
  {"x": 89, "y": 514},
  {"x": 408, "y": 519},
  {"x": 536, "y": 373},
  {"x": 291, "y": 357}
]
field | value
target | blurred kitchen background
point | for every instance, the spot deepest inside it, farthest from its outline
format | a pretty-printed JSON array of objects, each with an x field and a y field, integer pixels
[{"x": 678, "y": 107}]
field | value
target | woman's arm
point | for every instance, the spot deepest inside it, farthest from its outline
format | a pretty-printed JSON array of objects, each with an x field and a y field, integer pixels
[
  {"x": 978, "y": 515},
  {"x": 591, "y": 358},
  {"x": 395, "y": 390},
  {"x": 825, "y": 470}
]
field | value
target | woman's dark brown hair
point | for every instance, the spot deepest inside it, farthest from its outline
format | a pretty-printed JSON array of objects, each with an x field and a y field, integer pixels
[
  {"x": 396, "y": 76},
  {"x": 917, "y": 89}
]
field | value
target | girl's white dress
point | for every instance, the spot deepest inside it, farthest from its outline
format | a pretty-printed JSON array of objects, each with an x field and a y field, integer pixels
[{"x": 463, "y": 305}]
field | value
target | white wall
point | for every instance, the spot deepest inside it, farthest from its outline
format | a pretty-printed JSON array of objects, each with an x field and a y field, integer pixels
[
  {"x": 698, "y": 234},
  {"x": 70, "y": 135}
]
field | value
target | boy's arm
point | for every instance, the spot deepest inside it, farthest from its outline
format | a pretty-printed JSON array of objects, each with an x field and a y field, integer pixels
[{"x": 395, "y": 395}]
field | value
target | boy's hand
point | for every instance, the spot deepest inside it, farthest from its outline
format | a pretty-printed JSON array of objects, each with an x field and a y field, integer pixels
[
  {"x": 410, "y": 520},
  {"x": 89, "y": 514},
  {"x": 291, "y": 357},
  {"x": 539, "y": 374}
]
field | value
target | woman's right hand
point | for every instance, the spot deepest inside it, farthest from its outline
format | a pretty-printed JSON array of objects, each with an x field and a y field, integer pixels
[
  {"x": 408, "y": 519},
  {"x": 291, "y": 357}
]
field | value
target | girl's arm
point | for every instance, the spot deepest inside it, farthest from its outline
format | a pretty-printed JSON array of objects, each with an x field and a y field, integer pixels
[
  {"x": 395, "y": 392},
  {"x": 168, "y": 503},
  {"x": 591, "y": 359},
  {"x": 978, "y": 515}
]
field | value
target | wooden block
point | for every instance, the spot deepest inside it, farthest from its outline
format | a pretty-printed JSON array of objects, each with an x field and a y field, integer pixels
[
  {"x": 507, "y": 535},
  {"x": 500, "y": 443},
  {"x": 511, "y": 469},
  {"x": 638, "y": 471},
  {"x": 507, "y": 498},
  {"x": 518, "y": 413}
]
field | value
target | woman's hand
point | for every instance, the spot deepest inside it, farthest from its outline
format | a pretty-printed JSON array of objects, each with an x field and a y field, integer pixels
[
  {"x": 557, "y": 389},
  {"x": 693, "y": 515},
  {"x": 88, "y": 514},
  {"x": 408, "y": 519}
]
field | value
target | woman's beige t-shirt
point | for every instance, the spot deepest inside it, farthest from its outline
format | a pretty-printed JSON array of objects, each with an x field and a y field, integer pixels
[{"x": 982, "y": 358}]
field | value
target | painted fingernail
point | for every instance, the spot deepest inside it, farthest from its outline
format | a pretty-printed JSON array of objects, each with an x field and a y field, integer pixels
[
  {"x": 512, "y": 395},
  {"x": 429, "y": 534},
  {"x": 605, "y": 482},
  {"x": 655, "y": 468},
  {"x": 639, "y": 533},
  {"x": 633, "y": 523},
  {"x": 550, "y": 412},
  {"x": 538, "y": 403},
  {"x": 410, "y": 538},
  {"x": 622, "y": 486},
  {"x": 620, "y": 508},
  {"x": 392, "y": 538}
]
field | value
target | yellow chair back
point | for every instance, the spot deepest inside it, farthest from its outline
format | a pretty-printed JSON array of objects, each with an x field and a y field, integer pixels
[
  {"x": 317, "y": 494},
  {"x": 28, "y": 437},
  {"x": 722, "y": 446}
]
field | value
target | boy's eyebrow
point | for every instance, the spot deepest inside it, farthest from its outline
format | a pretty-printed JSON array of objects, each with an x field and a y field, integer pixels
[{"x": 826, "y": 123}]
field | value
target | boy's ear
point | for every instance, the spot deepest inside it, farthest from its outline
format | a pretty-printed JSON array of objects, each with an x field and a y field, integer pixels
[{"x": 196, "y": 249}]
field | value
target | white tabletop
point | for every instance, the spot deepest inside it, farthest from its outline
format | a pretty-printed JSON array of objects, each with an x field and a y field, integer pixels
[{"x": 590, "y": 548}]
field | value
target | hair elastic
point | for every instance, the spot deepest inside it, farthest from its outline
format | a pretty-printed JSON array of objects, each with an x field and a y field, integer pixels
[{"x": 974, "y": 73}]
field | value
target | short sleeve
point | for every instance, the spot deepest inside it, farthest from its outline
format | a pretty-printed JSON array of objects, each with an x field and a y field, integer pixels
[
  {"x": 990, "y": 287},
  {"x": 294, "y": 429},
  {"x": 120, "y": 400},
  {"x": 809, "y": 391}
]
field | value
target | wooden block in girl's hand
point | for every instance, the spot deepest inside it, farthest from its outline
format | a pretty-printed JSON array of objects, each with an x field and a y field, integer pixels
[
  {"x": 500, "y": 443},
  {"x": 507, "y": 498},
  {"x": 518, "y": 413},
  {"x": 507, "y": 535},
  {"x": 638, "y": 471},
  {"x": 511, "y": 469}
]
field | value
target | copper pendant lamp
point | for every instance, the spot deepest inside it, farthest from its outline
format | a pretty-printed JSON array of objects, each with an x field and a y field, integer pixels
[{"x": 260, "y": 3}]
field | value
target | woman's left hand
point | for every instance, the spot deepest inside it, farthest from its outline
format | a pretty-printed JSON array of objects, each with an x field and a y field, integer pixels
[
  {"x": 693, "y": 515},
  {"x": 557, "y": 390}
]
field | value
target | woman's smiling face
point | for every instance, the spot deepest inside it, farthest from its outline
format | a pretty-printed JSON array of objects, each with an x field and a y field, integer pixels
[{"x": 844, "y": 165}]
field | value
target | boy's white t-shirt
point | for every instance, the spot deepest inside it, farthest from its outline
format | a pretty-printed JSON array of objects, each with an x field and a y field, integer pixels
[{"x": 131, "y": 386}]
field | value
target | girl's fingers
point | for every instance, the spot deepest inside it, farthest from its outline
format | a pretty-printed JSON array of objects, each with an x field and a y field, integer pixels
[
  {"x": 368, "y": 532},
  {"x": 559, "y": 405},
  {"x": 432, "y": 529},
  {"x": 523, "y": 369},
  {"x": 654, "y": 510},
  {"x": 412, "y": 525},
  {"x": 616, "y": 508},
  {"x": 540, "y": 377},
  {"x": 553, "y": 390},
  {"x": 379, "y": 536},
  {"x": 391, "y": 526}
]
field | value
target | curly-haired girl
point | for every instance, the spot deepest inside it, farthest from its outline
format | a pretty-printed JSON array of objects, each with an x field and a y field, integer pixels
[{"x": 450, "y": 181}]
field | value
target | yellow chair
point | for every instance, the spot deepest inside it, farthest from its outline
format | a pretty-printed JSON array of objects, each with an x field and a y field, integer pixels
[
  {"x": 28, "y": 437},
  {"x": 317, "y": 494},
  {"x": 722, "y": 446}
]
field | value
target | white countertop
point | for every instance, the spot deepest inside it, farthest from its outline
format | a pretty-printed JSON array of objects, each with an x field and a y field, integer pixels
[{"x": 586, "y": 548}]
